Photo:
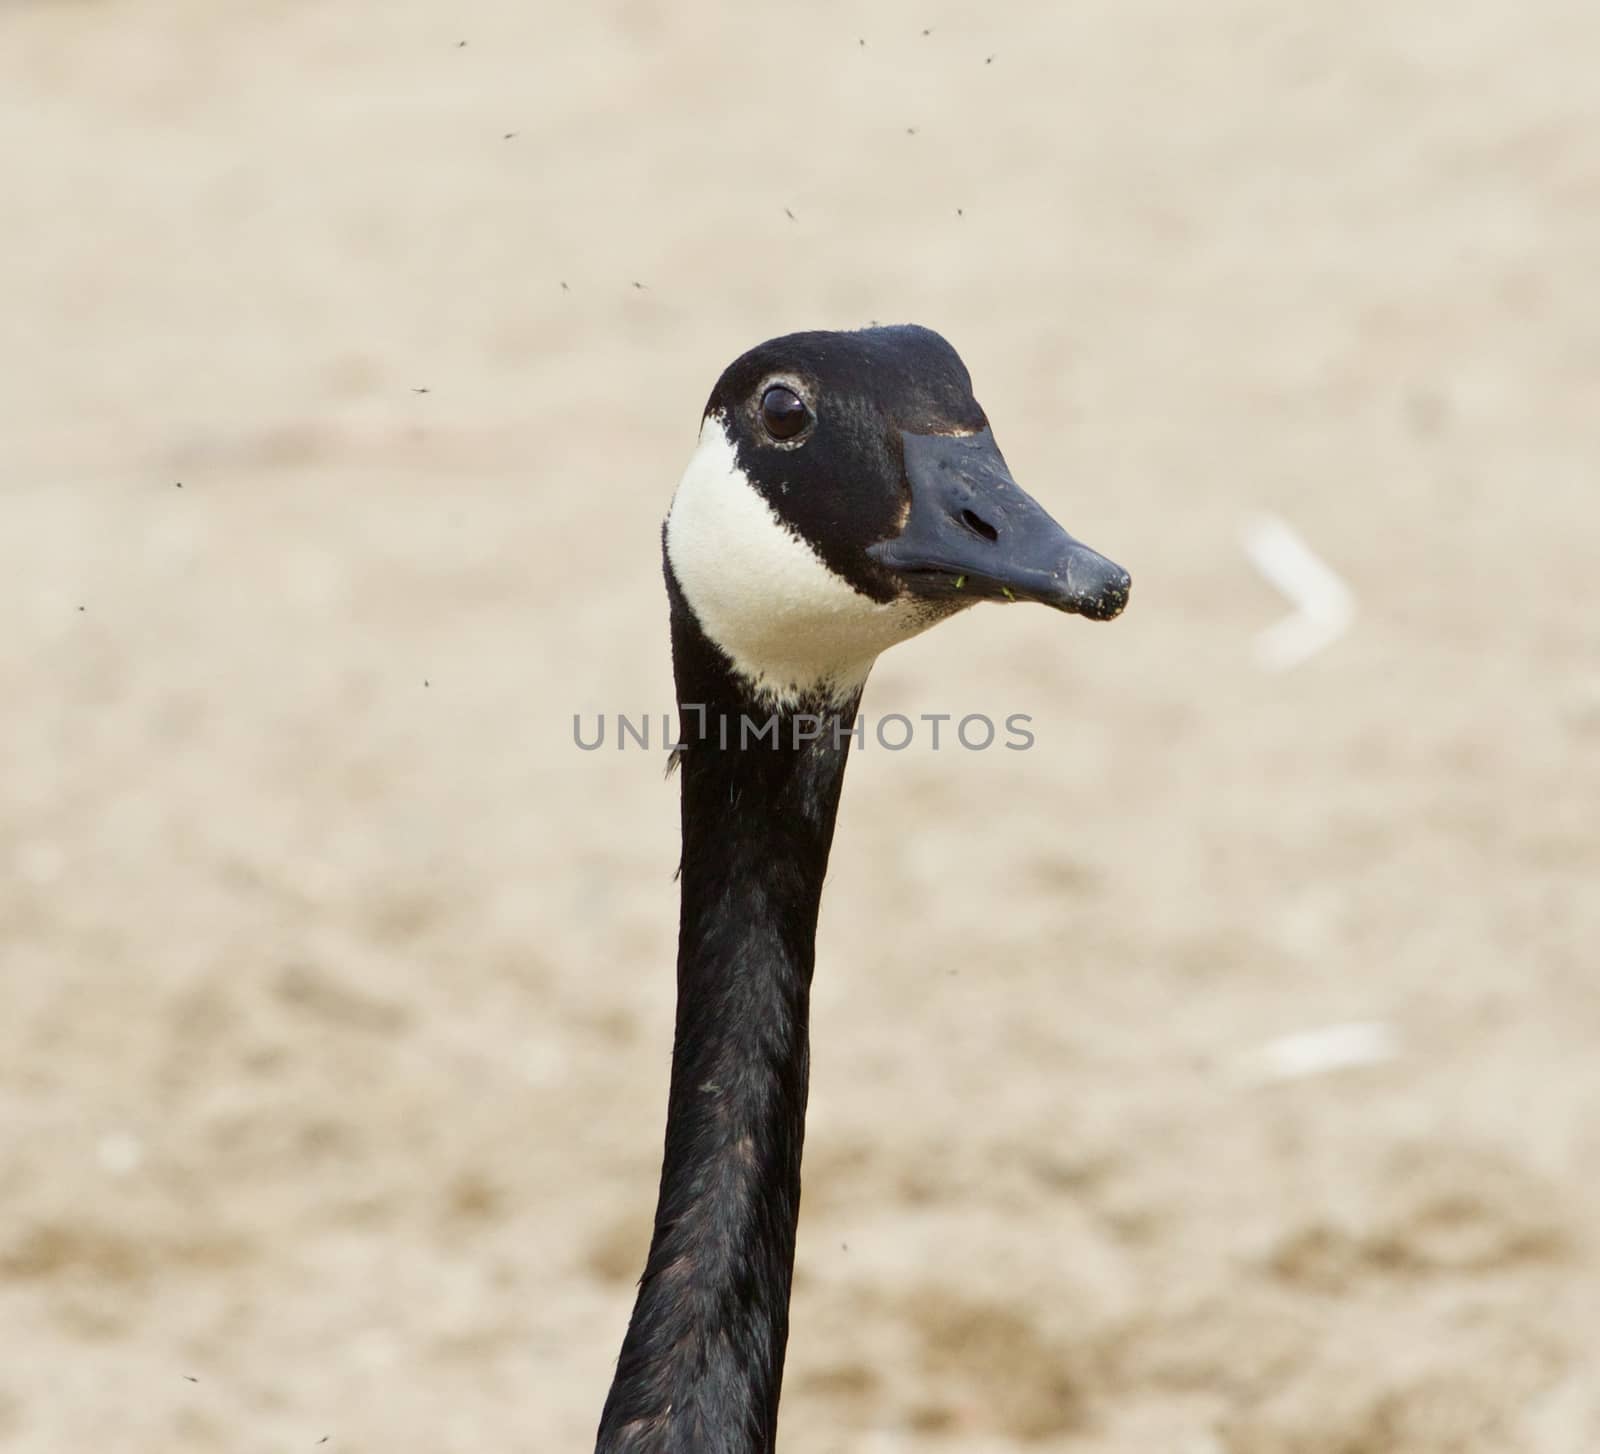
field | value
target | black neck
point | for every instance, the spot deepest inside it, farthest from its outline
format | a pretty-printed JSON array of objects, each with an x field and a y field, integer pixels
[{"x": 702, "y": 1363}]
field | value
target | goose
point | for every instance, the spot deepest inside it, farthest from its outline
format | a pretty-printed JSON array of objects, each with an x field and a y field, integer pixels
[{"x": 845, "y": 494}]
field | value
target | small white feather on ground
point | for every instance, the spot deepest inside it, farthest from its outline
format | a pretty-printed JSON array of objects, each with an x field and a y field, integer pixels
[
  {"x": 1320, "y": 1051},
  {"x": 1324, "y": 605}
]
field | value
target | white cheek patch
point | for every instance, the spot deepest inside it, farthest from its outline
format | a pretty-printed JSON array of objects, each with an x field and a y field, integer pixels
[{"x": 790, "y": 625}]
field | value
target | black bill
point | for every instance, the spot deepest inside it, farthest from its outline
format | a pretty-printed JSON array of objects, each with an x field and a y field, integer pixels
[{"x": 973, "y": 532}]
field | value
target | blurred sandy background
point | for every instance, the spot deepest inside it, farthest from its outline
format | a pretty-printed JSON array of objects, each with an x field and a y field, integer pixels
[{"x": 337, "y": 991}]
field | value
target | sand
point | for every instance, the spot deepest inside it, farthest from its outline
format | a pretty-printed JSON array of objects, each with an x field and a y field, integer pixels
[{"x": 353, "y": 351}]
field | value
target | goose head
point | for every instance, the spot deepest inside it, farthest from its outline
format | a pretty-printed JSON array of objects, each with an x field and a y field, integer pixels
[{"x": 847, "y": 493}]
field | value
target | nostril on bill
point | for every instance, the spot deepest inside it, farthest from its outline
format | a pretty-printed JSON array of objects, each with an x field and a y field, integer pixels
[{"x": 979, "y": 526}]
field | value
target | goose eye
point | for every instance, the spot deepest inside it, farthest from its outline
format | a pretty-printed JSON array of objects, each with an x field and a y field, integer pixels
[{"x": 783, "y": 412}]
